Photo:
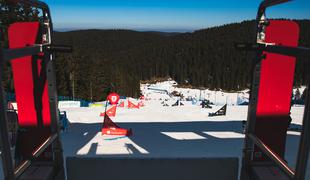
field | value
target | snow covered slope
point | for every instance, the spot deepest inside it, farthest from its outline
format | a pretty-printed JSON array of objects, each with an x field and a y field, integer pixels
[
  {"x": 164, "y": 90},
  {"x": 166, "y": 131}
]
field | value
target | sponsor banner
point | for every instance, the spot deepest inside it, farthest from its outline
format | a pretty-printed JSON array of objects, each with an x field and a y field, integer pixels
[
  {"x": 96, "y": 105},
  {"x": 69, "y": 104}
]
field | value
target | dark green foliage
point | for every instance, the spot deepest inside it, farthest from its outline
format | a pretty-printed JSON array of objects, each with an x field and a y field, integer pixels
[
  {"x": 11, "y": 12},
  {"x": 304, "y": 95},
  {"x": 297, "y": 95},
  {"x": 122, "y": 58},
  {"x": 119, "y": 59}
]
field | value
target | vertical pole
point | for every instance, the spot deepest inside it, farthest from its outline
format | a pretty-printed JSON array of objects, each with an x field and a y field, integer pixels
[
  {"x": 7, "y": 161},
  {"x": 73, "y": 88},
  {"x": 91, "y": 91},
  {"x": 251, "y": 119},
  {"x": 57, "y": 147},
  {"x": 215, "y": 97},
  {"x": 53, "y": 101},
  {"x": 105, "y": 112},
  {"x": 304, "y": 145}
]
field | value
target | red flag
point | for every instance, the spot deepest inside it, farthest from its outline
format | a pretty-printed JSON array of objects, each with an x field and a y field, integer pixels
[
  {"x": 141, "y": 104},
  {"x": 122, "y": 104},
  {"x": 132, "y": 105},
  {"x": 110, "y": 128},
  {"x": 111, "y": 112},
  {"x": 113, "y": 98}
]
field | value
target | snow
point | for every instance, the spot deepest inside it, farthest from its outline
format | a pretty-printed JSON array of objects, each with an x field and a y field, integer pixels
[
  {"x": 163, "y": 90},
  {"x": 158, "y": 131},
  {"x": 154, "y": 123},
  {"x": 166, "y": 131},
  {"x": 184, "y": 131}
]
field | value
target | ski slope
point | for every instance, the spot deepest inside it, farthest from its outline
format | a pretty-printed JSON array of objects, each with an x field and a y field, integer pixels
[
  {"x": 163, "y": 90},
  {"x": 166, "y": 131},
  {"x": 182, "y": 131},
  {"x": 159, "y": 131}
]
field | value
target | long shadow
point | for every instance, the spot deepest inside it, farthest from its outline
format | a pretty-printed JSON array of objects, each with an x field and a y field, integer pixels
[
  {"x": 295, "y": 127},
  {"x": 150, "y": 137},
  {"x": 78, "y": 136},
  {"x": 132, "y": 149},
  {"x": 93, "y": 148}
]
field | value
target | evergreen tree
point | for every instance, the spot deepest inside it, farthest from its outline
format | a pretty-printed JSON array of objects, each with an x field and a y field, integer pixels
[
  {"x": 304, "y": 95},
  {"x": 297, "y": 95},
  {"x": 205, "y": 58}
]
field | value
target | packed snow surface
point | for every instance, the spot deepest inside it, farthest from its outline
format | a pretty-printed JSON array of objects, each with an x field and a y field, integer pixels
[
  {"x": 169, "y": 131},
  {"x": 163, "y": 90},
  {"x": 160, "y": 131}
]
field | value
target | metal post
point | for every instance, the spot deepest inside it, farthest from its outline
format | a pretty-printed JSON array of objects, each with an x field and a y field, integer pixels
[
  {"x": 7, "y": 161},
  {"x": 304, "y": 145},
  {"x": 53, "y": 98},
  {"x": 91, "y": 91},
  {"x": 52, "y": 93},
  {"x": 73, "y": 88},
  {"x": 251, "y": 119}
]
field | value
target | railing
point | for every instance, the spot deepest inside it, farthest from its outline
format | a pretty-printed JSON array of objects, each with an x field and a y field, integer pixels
[
  {"x": 35, "y": 154},
  {"x": 32, "y": 3},
  {"x": 6, "y": 55},
  {"x": 284, "y": 50},
  {"x": 273, "y": 156},
  {"x": 251, "y": 139},
  {"x": 303, "y": 152},
  {"x": 9, "y": 54},
  {"x": 268, "y": 3}
]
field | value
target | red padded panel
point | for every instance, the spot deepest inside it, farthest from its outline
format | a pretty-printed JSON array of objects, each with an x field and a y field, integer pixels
[
  {"x": 277, "y": 71},
  {"x": 275, "y": 88},
  {"x": 21, "y": 35}
]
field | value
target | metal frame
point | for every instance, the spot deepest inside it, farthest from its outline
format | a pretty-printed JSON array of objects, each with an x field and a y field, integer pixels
[
  {"x": 284, "y": 50},
  {"x": 250, "y": 138},
  {"x": 54, "y": 140},
  {"x": 7, "y": 55},
  {"x": 7, "y": 161}
]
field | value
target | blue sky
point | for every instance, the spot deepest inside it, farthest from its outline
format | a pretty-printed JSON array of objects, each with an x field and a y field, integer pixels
[{"x": 163, "y": 15}]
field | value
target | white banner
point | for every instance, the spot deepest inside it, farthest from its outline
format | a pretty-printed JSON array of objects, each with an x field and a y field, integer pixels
[{"x": 69, "y": 104}]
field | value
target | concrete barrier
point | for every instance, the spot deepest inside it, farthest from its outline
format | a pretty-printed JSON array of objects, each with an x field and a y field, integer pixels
[{"x": 81, "y": 168}]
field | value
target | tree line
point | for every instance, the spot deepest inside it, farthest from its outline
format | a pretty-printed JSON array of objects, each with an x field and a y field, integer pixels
[{"x": 118, "y": 60}]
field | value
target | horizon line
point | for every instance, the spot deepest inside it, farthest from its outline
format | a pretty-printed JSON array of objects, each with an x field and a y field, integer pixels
[{"x": 146, "y": 29}]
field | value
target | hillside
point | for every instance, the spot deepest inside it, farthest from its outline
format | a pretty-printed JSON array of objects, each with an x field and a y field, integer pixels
[{"x": 119, "y": 59}]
